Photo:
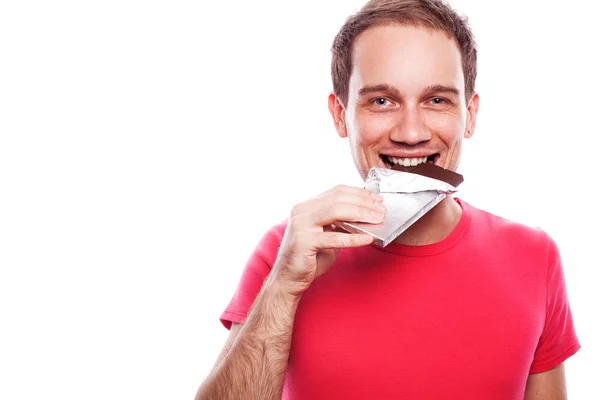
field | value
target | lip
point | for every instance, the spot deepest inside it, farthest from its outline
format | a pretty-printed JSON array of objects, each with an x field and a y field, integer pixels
[{"x": 418, "y": 155}]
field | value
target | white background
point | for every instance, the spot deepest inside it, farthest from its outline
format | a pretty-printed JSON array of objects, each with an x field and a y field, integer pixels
[{"x": 142, "y": 152}]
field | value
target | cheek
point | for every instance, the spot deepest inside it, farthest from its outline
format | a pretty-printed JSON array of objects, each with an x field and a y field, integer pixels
[
  {"x": 371, "y": 129},
  {"x": 448, "y": 126}
]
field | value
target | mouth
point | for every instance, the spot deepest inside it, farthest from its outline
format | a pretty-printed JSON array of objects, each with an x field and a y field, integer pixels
[{"x": 390, "y": 161}]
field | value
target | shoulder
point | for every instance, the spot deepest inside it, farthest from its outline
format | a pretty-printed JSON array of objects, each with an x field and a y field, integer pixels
[
  {"x": 503, "y": 230},
  {"x": 269, "y": 244},
  {"x": 275, "y": 234}
]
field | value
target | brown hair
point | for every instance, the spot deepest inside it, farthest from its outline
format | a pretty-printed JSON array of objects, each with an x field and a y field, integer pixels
[{"x": 434, "y": 14}]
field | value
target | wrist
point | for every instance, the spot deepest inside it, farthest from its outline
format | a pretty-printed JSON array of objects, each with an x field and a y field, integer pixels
[{"x": 279, "y": 288}]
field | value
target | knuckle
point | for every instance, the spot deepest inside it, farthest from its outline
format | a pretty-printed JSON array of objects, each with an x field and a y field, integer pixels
[
  {"x": 339, "y": 188},
  {"x": 368, "y": 202},
  {"x": 296, "y": 209}
]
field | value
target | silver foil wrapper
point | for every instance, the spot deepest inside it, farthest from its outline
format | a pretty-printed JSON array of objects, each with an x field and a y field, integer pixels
[{"x": 407, "y": 198}]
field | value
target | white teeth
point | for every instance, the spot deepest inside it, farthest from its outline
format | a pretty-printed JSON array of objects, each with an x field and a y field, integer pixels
[{"x": 406, "y": 162}]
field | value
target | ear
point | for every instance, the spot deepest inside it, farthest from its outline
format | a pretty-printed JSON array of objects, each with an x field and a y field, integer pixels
[
  {"x": 338, "y": 113},
  {"x": 472, "y": 110}
]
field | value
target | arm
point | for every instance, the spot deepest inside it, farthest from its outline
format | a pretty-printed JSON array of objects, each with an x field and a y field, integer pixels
[
  {"x": 254, "y": 359},
  {"x": 549, "y": 385},
  {"x": 254, "y": 362}
]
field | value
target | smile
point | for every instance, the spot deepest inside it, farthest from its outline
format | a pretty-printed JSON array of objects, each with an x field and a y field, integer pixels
[{"x": 409, "y": 162}]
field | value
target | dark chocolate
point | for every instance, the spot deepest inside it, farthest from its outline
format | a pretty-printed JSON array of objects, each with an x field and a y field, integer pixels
[{"x": 433, "y": 171}]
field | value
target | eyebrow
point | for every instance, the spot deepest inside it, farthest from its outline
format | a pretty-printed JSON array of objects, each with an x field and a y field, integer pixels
[
  {"x": 378, "y": 88},
  {"x": 391, "y": 89},
  {"x": 442, "y": 89}
]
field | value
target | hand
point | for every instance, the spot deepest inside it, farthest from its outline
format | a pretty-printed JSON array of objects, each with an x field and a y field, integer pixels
[{"x": 310, "y": 244}]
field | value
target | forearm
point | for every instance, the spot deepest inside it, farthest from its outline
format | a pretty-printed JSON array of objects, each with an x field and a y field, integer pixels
[{"x": 255, "y": 366}]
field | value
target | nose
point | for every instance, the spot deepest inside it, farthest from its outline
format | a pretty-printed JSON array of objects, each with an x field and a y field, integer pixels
[{"x": 410, "y": 127}]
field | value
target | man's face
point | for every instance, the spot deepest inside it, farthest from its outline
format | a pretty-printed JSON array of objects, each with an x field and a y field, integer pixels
[{"x": 406, "y": 100}]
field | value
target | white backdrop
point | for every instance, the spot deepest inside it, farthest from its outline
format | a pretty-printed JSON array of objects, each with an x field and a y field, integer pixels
[{"x": 147, "y": 145}]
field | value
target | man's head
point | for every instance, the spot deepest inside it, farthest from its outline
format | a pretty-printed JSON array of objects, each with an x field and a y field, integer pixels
[{"x": 404, "y": 83}]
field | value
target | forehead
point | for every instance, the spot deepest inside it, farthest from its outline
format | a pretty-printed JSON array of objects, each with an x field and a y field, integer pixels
[{"x": 407, "y": 57}]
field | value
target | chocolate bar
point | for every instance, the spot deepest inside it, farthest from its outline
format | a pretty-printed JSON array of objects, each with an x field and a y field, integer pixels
[
  {"x": 433, "y": 171},
  {"x": 408, "y": 193}
]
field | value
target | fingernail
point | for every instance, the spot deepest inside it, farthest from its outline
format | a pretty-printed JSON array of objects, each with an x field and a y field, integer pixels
[
  {"x": 377, "y": 196},
  {"x": 380, "y": 206},
  {"x": 366, "y": 238},
  {"x": 377, "y": 215}
]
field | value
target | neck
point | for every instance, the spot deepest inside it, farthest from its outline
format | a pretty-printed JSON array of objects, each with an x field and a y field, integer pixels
[{"x": 434, "y": 226}]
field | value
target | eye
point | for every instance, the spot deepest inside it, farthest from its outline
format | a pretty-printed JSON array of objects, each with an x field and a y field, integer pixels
[
  {"x": 438, "y": 100},
  {"x": 381, "y": 101}
]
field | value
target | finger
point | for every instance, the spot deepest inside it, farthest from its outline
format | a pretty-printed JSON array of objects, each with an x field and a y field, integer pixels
[
  {"x": 352, "y": 196},
  {"x": 347, "y": 189},
  {"x": 319, "y": 219},
  {"x": 369, "y": 200},
  {"x": 353, "y": 190},
  {"x": 334, "y": 240},
  {"x": 330, "y": 213}
]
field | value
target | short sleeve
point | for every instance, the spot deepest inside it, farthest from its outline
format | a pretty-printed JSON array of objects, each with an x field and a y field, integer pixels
[
  {"x": 558, "y": 340},
  {"x": 254, "y": 274}
]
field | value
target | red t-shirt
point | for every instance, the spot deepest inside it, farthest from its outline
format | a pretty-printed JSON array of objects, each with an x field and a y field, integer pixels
[{"x": 469, "y": 317}]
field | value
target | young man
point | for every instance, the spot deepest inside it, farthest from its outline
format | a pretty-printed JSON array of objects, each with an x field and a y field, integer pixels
[{"x": 463, "y": 305}]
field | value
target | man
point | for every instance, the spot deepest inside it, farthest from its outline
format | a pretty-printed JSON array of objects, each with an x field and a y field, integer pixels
[{"x": 463, "y": 305}]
